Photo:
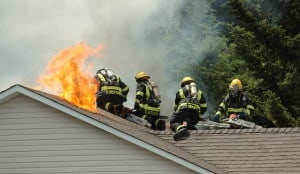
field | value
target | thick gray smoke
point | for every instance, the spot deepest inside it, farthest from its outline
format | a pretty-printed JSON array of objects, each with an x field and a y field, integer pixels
[{"x": 33, "y": 31}]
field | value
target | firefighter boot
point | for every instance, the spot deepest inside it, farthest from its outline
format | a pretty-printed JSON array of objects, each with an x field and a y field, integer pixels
[
  {"x": 160, "y": 124},
  {"x": 118, "y": 109},
  {"x": 126, "y": 112},
  {"x": 150, "y": 120},
  {"x": 182, "y": 133}
]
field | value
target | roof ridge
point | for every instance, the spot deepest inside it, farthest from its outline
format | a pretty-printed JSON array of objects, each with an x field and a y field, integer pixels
[{"x": 260, "y": 130}]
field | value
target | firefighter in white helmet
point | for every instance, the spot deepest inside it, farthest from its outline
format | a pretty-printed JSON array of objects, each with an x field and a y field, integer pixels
[
  {"x": 190, "y": 104},
  {"x": 235, "y": 104},
  {"x": 112, "y": 91},
  {"x": 147, "y": 101}
]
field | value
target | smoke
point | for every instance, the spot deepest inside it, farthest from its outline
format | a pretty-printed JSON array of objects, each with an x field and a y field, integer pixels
[{"x": 33, "y": 31}]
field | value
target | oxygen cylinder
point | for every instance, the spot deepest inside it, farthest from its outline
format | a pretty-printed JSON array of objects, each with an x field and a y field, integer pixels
[
  {"x": 193, "y": 89},
  {"x": 155, "y": 90},
  {"x": 109, "y": 72},
  {"x": 111, "y": 76}
]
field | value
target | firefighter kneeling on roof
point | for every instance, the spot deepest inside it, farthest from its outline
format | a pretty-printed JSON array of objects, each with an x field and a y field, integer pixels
[
  {"x": 147, "y": 101},
  {"x": 112, "y": 92},
  {"x": 236, "y": 104},
  {"x": 190, "y": 104}
]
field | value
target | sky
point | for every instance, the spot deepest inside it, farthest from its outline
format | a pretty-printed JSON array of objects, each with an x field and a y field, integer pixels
[{"x": 33, "y": 31}]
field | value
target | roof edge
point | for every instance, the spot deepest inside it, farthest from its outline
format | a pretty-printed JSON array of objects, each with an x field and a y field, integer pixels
[{"x": 19, "y": 89}]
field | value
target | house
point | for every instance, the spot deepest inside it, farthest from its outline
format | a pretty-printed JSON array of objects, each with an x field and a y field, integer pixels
[{"x": 41, "y": 133}]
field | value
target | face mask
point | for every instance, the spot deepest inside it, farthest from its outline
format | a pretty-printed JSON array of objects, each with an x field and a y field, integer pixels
[{"x": 234, "y": 90}]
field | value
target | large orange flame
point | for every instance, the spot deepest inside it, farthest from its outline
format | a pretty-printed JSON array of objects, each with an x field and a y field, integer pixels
[{"x": 66, "y": 77}]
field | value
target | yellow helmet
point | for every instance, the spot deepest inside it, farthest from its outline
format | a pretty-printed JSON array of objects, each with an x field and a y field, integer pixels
[
  {"x": 236, "y": 82},
  {"x": 142, "y": 75},
  {"x": 185, "y": 80}
]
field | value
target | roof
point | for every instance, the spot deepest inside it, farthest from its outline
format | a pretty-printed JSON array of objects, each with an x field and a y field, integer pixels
[{"x": 266, "y": 150}]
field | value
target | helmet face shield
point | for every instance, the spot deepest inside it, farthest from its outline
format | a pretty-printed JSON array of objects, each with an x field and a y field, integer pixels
[
  {"x": 234, "y": 90},
  {"x": 187, "y": 87}
]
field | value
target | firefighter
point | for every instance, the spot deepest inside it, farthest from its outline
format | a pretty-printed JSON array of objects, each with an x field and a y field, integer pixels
[
  {"x": 147, "y": 101},
  {"x": 236, "y": 103},
  {"x": 190, "y": 104},
  {"x": 112, "y": 91}
]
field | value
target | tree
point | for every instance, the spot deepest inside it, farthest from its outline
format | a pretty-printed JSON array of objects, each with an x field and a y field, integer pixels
[
  {"x": 270, "y": 54},
  {"x": 253, "y": 40}
]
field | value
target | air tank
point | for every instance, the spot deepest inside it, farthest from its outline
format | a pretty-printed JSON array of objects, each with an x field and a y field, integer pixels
[
  {"x": 193, "y": 89},
  {"x": 109, "y": 72},
  {"x": 155, "y": 90}
]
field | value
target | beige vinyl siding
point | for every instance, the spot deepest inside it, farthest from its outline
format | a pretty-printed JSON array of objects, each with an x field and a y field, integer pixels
[{"x": 35, "y": 138}]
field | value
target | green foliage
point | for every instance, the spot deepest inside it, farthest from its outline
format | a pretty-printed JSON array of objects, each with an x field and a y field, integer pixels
[
  {"x": 270, "y": 54},
  {"x": 275, "y": 111},
  {"x": 253, "y": 40}
]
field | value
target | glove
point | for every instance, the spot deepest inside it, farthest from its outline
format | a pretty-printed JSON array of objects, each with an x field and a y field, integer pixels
[
  {"x": 233, "y": 116},
  {"x": 242, "y": 115},
  {"x": 138, "y": 112},
  {"x": 126, "y": 112},
  {"x": 216, "y": 118},
  {"x": 150, "y": 102},
  {"x": 153, "y": 102},
  {"x": 158, "y": 101},
  {"x": 100, "y": 93}
]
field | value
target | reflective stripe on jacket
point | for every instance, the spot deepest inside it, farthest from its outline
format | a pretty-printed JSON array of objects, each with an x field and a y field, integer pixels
[
  {"x": 235, "y": 105},
  {"x": 116, "y": 88},
  {"x": 144, "y": 94},
  {"x": 183, "y": 101}
]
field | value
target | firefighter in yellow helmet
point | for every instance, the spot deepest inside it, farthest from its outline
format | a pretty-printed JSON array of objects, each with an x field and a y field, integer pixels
[
  {"x": 112, "y": 91},
  {"x": 235, "y": 104},
  {"x": 190, "y": 104},
  {"x": 147, "y": 101}
]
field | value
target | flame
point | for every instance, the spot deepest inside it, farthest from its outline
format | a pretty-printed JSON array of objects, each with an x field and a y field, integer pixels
[{"x": 66, "y": 76}]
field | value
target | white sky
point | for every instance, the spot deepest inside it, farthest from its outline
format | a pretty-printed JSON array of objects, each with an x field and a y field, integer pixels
[{"x": 33, "y": 31}]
